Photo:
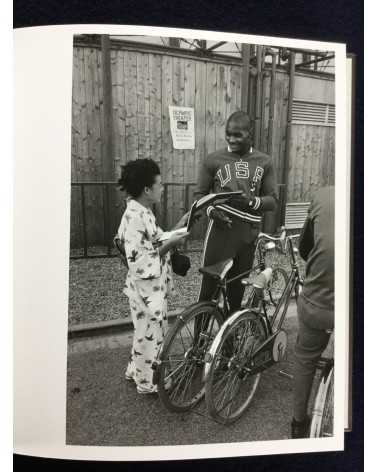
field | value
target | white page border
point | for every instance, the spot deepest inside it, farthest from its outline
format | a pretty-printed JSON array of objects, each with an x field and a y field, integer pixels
[{"x": 43, "y": 74}]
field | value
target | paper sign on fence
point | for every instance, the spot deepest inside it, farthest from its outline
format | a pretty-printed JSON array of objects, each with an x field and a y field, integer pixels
[{"x": 182, "y": 127}]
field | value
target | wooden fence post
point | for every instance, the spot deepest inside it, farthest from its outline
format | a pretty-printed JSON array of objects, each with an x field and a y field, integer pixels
[
  {"x": 107, "y": 142},
  {"x": 246, "y": 57}
]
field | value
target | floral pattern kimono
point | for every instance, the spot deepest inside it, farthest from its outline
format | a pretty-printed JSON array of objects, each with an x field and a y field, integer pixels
[{"x": 148, "y": 283}]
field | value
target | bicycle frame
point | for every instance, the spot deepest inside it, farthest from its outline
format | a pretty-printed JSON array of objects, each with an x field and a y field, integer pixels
[
  {"x": 259, "y": 253},
  {"x": 294, "y": 278}
]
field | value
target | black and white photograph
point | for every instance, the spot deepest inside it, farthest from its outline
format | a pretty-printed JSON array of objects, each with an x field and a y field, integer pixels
[
  {"x": 194, "y": 297},
  {"x": 201, "y": 283}
]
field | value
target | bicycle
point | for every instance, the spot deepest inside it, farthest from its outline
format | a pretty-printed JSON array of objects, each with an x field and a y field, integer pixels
[
  {"x": 248, "y": 343},
  {"x": 279, "y": 276},
  {"x": 322, "y": 412},
  {"x": 182, "y": 356}
]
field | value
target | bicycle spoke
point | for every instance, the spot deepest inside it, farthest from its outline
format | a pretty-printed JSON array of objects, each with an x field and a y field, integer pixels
[
  {"x": 189, "y": 380},
  {"x": 190, "y": 334},
  {"x": 218, "y": 383},
  {"x": 226, "y": 393},
  {"x": 178, "y": 382},
  {"x": 233, "y": 395},
  {"x": 175, "y": 370}
]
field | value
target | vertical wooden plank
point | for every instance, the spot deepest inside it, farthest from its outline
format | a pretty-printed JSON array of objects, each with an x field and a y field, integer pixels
[
  {"x": 166, "y": 94},
  {"x": 107, "y": 154},
  {"x": 75, "y": 117},
  {"x": 190, "y": 85},
  {"x": 143, "y": 106},
  {"x": 281, "y": 122},
  {"x": 302, "y": 161},
  {"x": 94, "y": 232},
  {"x": 200, "y": 116},
  {"x": 115, "y": 59},
  {"x": 310, "y": 149},
  {"x": 155, "y": 107},
  {"x": 276, "y": 145},
  {"x": 246, "y": 57},
  {"x": 147, "y": 87},
  {"x": 75, "y": 235},
  {"x": 119, "y": 120},
  {"x": 265, "y": 114},
  {"x": 221, "y": 114},
  {"x": 83, "y": 118},
  {"x": 235, "y": 83},
  {"x": 121, "y": 91},
  {"x": 331, "y": 155},
  {"x": 178, "y": 97},
  {"x": 211, "y": 106},
  {"x": 97, "y": 98},
  {"x": 131, "y": 104}
]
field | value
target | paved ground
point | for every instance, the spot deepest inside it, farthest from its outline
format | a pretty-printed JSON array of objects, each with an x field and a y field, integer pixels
[{"x": 104, "y": 409}]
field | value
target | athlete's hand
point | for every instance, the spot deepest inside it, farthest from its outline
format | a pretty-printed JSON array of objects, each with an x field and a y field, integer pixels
[
  {"x": 242, "y": 202},
  {"x": 221, "y": 220}
]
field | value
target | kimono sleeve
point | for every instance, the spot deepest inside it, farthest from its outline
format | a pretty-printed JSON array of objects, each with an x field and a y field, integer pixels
[{"x": 143, "y": 259}]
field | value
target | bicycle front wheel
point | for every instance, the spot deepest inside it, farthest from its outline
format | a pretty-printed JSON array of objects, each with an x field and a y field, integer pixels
[
  {"x": 229, "y": 385},
  {"x": 322, "y": 416},
  {"x": 180, "y": 381}
]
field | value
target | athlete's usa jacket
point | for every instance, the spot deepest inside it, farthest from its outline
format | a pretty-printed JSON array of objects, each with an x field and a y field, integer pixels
[{"x": 253, "y": 173}]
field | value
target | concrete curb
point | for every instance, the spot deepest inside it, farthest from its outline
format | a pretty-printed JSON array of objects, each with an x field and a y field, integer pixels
[{"x": 100, "y": 328}]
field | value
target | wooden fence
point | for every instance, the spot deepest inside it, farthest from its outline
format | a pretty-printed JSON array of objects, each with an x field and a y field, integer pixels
[{"x": 143, "y": 85}]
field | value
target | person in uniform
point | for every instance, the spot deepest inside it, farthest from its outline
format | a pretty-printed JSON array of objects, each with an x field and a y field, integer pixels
[
  {"x": 316, "y": 302},
  {"x": 234, "y": 226}
]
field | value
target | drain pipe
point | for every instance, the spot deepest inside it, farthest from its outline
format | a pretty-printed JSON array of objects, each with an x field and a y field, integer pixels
[
  {"x": 272, "y": 101},
  {"x": 256, "y": 136},
  {"x": 285, "y": 170}
]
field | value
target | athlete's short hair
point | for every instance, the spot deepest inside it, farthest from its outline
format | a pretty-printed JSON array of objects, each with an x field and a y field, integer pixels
[{"x": 241, "y": 117}]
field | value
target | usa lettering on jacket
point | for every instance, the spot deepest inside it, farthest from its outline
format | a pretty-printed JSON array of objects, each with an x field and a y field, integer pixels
[{"x": 240, "y": 170}]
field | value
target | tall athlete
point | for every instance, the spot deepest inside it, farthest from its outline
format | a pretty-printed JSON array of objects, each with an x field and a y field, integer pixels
[{"x": 233, "y": 227}]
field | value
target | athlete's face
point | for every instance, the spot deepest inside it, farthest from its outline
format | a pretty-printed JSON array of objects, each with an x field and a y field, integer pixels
[{"x": 238, "y": 137}]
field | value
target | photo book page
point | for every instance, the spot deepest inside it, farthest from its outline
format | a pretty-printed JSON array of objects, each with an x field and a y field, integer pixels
[{"x": 123, "y": 130}]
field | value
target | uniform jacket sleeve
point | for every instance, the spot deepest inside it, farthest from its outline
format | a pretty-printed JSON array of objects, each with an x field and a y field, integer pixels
[
  {"x": 306, "y": 239},
  {"x": 205, "y": 182},
  {"x": 268, "y": 192},
  {"x": 205, "y": 179}
]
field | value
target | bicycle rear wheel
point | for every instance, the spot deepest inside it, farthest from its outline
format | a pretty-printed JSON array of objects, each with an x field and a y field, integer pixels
[
  {"x": 229, "y": 386},
  {"x": 322, "y": 415},
  {"x": 180, "y": 381}
]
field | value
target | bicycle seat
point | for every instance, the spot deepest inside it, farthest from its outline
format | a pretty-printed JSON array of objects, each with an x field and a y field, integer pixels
[{"x": 219, "y": 270}]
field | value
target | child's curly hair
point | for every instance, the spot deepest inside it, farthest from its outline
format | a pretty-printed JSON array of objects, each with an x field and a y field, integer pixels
[{"x": 138, "y": 174}]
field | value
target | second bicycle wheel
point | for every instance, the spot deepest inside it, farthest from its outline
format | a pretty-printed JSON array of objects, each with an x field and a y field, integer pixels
[
  {"x": 229, "y": 385},
  {"x": 180, "y": 374},
  {"x": 322, "y": 415}
]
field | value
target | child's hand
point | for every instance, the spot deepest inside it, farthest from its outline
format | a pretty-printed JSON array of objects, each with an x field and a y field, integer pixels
[{"x": 176, "y": 240}]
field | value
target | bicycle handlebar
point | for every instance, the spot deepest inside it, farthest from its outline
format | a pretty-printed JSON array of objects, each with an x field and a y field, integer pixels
[{"x": 277, "y": 238}]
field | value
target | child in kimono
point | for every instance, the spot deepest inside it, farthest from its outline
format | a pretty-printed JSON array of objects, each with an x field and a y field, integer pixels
[{"x": 149, "y": 278}]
